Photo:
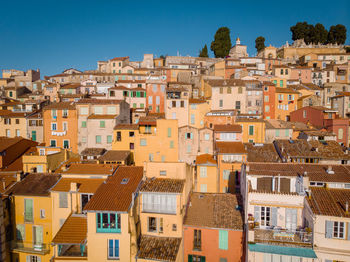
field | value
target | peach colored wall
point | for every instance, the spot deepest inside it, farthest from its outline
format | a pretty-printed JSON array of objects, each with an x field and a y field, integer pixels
[{"x": 210, "y": 244}]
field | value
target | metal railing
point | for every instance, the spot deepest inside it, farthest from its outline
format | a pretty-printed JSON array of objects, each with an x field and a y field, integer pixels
[
  {"x": 283, "y": 236},
  {"x": 24, "y": 246}
]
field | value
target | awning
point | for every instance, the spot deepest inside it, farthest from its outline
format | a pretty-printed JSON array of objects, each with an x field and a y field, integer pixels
[{"x": 281, "y": 250}]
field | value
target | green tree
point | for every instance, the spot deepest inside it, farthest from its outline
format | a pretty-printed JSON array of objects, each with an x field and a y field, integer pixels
[
  {"x": 347, "y": 49},
  {"x": 222, "y": 42},
  {"x": 321, "y": 34},
  {"x": 337, "y": 34},
  {"x": 204, "y": 52},
  {"x": 260, "y": 44},
  {"x": 310, "y": 36},
  {"x": 299, "y": 31}
]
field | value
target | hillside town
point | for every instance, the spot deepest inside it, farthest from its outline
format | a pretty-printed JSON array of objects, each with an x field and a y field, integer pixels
[{"x": 179, "y": 158}]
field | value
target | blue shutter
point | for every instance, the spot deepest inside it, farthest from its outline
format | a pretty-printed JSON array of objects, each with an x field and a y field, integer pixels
[
  {"x": 274, "y": 216},
  {"x": 329, "y": 229},
  {"x": 257, "y": 213},
  {"x": 110, "y": 248},
  {"x": 116, "y": 248}
]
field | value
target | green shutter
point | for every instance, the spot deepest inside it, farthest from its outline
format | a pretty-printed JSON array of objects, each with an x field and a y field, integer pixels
[
  {"x": 83, "y": 124},
  {"x": 34, "y": 135},
  {"x": 251, "y": 130},
  {"x": 102, "y": 124},
  {"x": 223, "y": 239},
  {"x": 190, "y": 258},
  {"x": 169, "y": 131},
  {"x": 138, "y": 94},
  {"x": 202, "y": 259},
  {"x": 28, "y": 213}
]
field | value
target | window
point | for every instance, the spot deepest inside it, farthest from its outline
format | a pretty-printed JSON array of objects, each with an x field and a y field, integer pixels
[
  {"x": 238, "y": 105},
  {"x": 42, "y": 213},
  {"x": 65, "y": 143},
  {"x": 65, "y": 126},
  {"x": 226, "y": 174},
  {"x": 251, "y": 130},
  {"x": 203, "y": 188},
  {"x": 53, "y": 143},
  {"x": 150, "y": 157},
  {"x": 98, "y": 110},
  {"x": 155, "y": 88},
  {"x": 32, "y": 258},
  {"x": 98, "y": 139},
  {"x": 265, "y": 216},
  {"x": 203, "y": 171},
  {"x": 109, "y": 139},
  {"x": 221, "y": 90},
  {"x": 338, "y": 230},
  {"x": 7, "y": 121},
  {"x": 65, "y": 113},
  {"x": 240, "y": 90},
  {"x": 143, "y": 142},
  {"x": 158, "y": 100},
  {"x": 304, "y": 113},
  {"x": 119, "y": 136},
  {"x": 162, "y": 172},
  {"x": 267, "y": 108},
  {"x": 54, "y": 113},
  {"x": 152, "y": 224},
  {"x": 277, "y": 132},
  {"x": 221, "y": 103},
  {"x": 193, "y": 119},
  {"x": 83, "y": 124},
  {"x": 20, "y": 232},
  {"x": 161, "y": 226},
  {"x": 111, "y": 110},
  {"x": 174, "y": 227},
  {"x": 189, "y": 149},
  {"x": 266, "y": 98},
  {"x": 85, "y": 198},
  {"x": 159, "y": 203},
  {"x": 18, "y": 133},
  {"x": 206, "y": 137},
  {"x": 28, "y": 210},
  {"x": 197, "y": 239},
  {"x": 102, "y": 124},
  {"x": 195, "y": 258},
  {"x": 108, "y": 223},
  {"x": 229, "y": 91},
  {"x": 113, "y": 248},
  {"x": 63, "y": 199},
  {"x": 171, "y": 144},
  {"x": 223, "y": 239},
  {"x": 169, "y": 131},
  {"x": 281, "y": 83},
  {"x": 17, "y": 121},
  {"x": 340, "y": 133},
  {"x": 53, "y": 126}
]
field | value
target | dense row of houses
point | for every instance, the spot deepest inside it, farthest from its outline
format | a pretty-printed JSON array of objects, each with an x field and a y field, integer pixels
[{"x": 179, "y": 159}]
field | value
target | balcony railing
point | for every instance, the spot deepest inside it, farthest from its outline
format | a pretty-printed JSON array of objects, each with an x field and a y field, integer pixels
[
  {"x": 31, "y": 247},
  {"x": 72, "y": 251},
  {"x": 281, "y": 236}
]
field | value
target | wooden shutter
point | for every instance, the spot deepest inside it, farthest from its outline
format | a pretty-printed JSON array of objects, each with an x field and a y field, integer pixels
[
  {"x": 264, "y": 183},
  {"x": 329, "y": 229},
  {"x": 285, "y": 185},
  {"x": 223, "y": 239},
  {"x": 274, "y": 216},
  {"x": 190, "y": 258},
  {"x": 257, "y": 213}
]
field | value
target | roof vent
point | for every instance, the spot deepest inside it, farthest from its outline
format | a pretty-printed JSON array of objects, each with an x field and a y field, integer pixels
[
  {"x": 124, "y": 181},
  {"x": 201, "y": 196},
  {"x": 330, "y": 171}
]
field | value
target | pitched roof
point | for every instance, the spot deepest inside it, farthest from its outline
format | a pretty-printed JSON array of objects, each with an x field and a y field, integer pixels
[
  {"x": 93, "y": 151},
  {"x": 230, "y": 148},
  {"x": 329, "y": 201},
  {"x": 35, "y": 185},
  {"x": 119, "y": 58},
  {"x": 225, "y": 82},
  {"x": 60, "y": 105},
  {"x": 115, "y": 155},
  {"x": 117, "y": 192},
  {"x": 159, "y": 248},
  {"x": 214, "y": 210},
  {"x": 84, "y": 185},
  {"x": 315, "y": 172},
  {"x": 126, "y": 127},
  {"x": 99, "y": 101},
  {"x": 205, "y": 159},
  {"x": 196, "y": 101},
  {"x": 89, "y": 169},
  {"x": 261, "y": 152},
  {"x": 228, "y": 128},
  {"x": 93, "y": 116},
  {"x": 168, "y": 185},
  {"x": 286, "y": 90},
  {"x": 6, "y": 181},
  {"x": 73, "y": 231}
]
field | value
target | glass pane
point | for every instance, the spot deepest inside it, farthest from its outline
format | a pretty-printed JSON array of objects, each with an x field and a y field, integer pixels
[
  {"x": 112, "y": 220},
  {"x": 104, "y": 220}
]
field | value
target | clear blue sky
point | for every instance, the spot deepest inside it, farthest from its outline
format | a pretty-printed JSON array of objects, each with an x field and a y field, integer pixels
[{"x": 55, "y": 35}]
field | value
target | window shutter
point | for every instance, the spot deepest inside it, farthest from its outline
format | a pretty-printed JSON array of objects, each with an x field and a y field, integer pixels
[
  {"x": 348, "y": 230},
  {"x": 285, "y": 185},
  {"x": 274, "y": 216},
  {"x": 329, "y": 229},
  {"x": 116, "y": 248},
  {"x": 257, "y": 213},
  {"x": 202, "y": 259},
  {"x": 190, "y": 258},
  {"x": 294, "y": 218},
  {"x": 223, "y": 239},
  {"x": 28, "y": 259}
]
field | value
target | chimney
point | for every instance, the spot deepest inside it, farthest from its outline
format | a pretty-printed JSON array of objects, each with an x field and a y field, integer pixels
[
  {"x": 73, "y": 187},
  {"x": 347, "y": 207},
  {"x": 19, "y": 177},
  {"x": 309, "y": 194},
  {"x": 247, "y": 168}
]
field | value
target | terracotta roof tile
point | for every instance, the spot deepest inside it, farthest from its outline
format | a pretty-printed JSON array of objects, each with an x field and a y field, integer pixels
[
  {"x": 228, "y": 128},
  {"x": 205, "y": 159},
  {"x": 60, "y": 105},
  {"x": 99, "y": 101},
  {"x": 329, "y": 202},
  {"x": 214, "y": 210},
  {"x": 120, "y": 58},
  {"x": 73, "y": 231},
  {"x": 117, "y": 192},
  {"x": 93, "y": 151},
  {"x": 126, "y": 127},
  {"x": 34, "y": 185},
  {"x": 93, "y": 116},
  {"x": 163, "y": 185},
  {"x": 261, "y": 152},
  {"x": 85, "y": 185},
  {"x": 230, "y": 148},
  {"x": 115, "y": 155},
  {"x": 88, "y": 169},
  {"x": 159, "y": 248}
]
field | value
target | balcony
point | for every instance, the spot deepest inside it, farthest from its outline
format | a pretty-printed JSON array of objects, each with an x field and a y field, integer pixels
[
  {"x": 282, "y": 237},
  {"x": 70, "y": 251},
  {"x": 30, "y": 247}
]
